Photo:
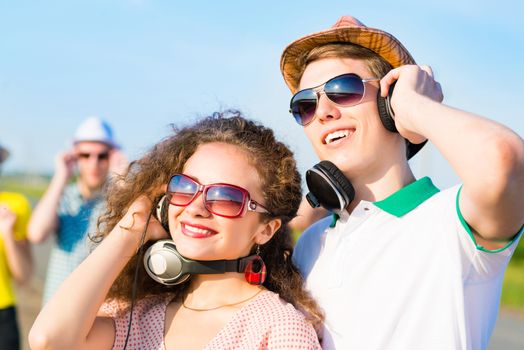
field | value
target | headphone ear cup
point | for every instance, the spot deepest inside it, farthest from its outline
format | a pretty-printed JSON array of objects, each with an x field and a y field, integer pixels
[
  {"x": 164, "y": 264},
  {"x": 386, "y": 114},
  {"x": 341, "y": 181},
  {"x": 328, "y": 187},
  {"x": 385, "y": 111},
  {"x": 161, "y": 211}
]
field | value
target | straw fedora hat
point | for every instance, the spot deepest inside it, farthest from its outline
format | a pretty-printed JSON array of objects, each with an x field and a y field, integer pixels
[{"x": 347, "y": 29}]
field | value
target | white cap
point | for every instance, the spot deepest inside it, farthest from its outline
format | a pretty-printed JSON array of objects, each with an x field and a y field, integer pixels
[{"x": 95, "y": 129}]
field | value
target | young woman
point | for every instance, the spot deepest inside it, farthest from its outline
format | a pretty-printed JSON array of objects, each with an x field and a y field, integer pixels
[{"x": 231, "y": 190}]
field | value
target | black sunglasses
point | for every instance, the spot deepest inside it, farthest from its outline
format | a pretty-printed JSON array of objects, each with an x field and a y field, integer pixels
[
  {"x": 344, "y": 90},
  {"x": 98, "y": 156}
]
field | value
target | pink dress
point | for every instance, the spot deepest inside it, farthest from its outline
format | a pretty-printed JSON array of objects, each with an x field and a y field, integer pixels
[{"x": 267, "y": 322}]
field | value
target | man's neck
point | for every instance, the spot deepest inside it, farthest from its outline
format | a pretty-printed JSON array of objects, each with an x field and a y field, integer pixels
[{"x": 377, "y": 188}]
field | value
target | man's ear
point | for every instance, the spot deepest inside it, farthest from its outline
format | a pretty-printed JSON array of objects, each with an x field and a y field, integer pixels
[{"x": 267, "y": 231}]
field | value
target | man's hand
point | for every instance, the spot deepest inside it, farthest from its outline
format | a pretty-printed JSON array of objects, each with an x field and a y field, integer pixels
[
  {"x": 64, "y": 165},
  {"x": 414, "y": 86}
]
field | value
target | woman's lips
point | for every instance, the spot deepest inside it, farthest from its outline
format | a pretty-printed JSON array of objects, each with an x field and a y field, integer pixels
[{"x": 196, "y": 231}]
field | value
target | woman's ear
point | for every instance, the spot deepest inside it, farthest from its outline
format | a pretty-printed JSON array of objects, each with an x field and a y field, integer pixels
[{"x": 267, "y": 231}]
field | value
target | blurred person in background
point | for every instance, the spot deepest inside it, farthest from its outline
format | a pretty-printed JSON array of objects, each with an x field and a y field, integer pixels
[
  {"x": 16, "y": 262},
  {"x": 71, "y": 210}
]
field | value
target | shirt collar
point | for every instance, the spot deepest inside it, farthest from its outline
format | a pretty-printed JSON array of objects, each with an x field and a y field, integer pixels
[
  {"x": 404, "y": 200},
  {"x": 408, "y": 198}
]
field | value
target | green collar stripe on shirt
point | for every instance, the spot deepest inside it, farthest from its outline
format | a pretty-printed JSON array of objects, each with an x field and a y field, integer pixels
[
  {"x": 404, "y": 200},
  {"x": 408, "y": 198},
  {"x": 334, "y": 219}
]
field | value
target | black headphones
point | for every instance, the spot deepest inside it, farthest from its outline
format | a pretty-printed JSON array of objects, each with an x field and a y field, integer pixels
[
  {"x": 385, "y": 111},
  {"x": 164, "y": 264},
  {"x": 328, "y": 186},
  {"x": 161, "y": 206},
  {"x": 387, "y": 116}
]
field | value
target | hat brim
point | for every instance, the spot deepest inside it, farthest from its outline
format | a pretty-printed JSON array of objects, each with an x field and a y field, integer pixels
[
  {"x": 383, "y": 43},
  {"x": 108, "y": 143}
]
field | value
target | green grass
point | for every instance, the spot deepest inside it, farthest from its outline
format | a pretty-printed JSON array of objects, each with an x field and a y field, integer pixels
[
  {"x": 32, "y": 187},
  {"x": 518, "y": 256},
  {"x": 513, "y": 285}
]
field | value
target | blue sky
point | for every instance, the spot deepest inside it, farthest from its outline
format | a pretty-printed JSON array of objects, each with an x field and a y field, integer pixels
[{"x": 143, "y": 64}]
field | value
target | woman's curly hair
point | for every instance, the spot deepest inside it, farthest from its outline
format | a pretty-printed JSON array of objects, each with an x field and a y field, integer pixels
[{"x": 281, "y": 186}]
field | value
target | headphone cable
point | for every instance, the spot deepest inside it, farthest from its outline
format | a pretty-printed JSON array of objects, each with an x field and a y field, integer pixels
[{"x": 135, "y": 280}]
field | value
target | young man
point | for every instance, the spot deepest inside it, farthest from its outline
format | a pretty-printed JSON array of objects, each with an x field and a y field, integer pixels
[
  {"x": 16, "y": 263},
  {"x": 71, "y": 210},
  {"x": 404, "y": 266}
]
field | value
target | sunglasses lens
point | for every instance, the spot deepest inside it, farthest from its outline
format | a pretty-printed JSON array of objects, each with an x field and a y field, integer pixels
[
  {"x": 182, "y": 190},
  {"x": 220, "y": 199},
  {"x": 303, "y": 106},
  {"x": 225, "y": 200},
  {"x": 98, "y": 156},
  {"x": 345, "y": 90}
]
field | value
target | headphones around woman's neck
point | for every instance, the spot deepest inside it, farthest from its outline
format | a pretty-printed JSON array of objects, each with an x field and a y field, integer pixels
[{"x": 166, "y": 265}]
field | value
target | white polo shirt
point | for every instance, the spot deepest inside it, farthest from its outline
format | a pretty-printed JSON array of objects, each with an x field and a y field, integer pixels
[{"x": 403, "y": 273}]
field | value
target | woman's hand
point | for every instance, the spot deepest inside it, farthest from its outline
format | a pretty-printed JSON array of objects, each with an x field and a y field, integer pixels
[{"x": 135, "y": 219}]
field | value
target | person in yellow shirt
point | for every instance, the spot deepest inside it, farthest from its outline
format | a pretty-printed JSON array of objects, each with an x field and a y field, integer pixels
[{"x": 15, "y": 259}]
